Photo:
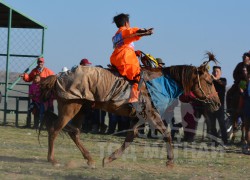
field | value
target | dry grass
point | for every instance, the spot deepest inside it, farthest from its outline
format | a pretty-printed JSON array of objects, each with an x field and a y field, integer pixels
[{"x": 21, "y": 157}]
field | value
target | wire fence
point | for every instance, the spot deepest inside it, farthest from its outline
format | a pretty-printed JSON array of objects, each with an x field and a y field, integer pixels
[{"x": 25, "y": 45}]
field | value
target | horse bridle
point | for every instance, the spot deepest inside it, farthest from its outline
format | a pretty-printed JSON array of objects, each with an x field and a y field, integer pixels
[{"x": 207, "y": 100}]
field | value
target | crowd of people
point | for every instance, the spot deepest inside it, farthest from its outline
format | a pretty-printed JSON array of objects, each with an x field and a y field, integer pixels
[{"x": 125, "y": 59}]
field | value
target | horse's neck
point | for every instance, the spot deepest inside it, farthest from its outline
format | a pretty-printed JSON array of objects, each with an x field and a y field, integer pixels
[
  {"x": 182, "y": 74},
  {"x": 175, "y": 72}
]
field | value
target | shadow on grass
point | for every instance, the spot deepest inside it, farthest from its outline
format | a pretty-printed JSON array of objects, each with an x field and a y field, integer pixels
[{"x": 17, "y": 159}]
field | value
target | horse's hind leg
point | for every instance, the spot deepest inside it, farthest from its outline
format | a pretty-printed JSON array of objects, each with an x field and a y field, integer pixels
[
  {"x": 74, "y": 132},
  {"x": 66, "y": 112},
  {"x": 131, "y": 134}
]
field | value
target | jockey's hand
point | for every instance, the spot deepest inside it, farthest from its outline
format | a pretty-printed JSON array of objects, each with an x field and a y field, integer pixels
[
  {"x": 138, "y": 53},
  {"x": 149, "y": 31},
  {"x": 145, "y": 32},
  {"x": 21, "y": 75}
]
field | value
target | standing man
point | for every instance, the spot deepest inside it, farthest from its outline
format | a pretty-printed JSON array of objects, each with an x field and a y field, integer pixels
[
  {"x": 220, "y": 86},
  {"x": 39, "y": 69},
  {"x": 85, "y": 62},
  {"x": 160, "y": 62},
  {"x": 87, "y": 121}
]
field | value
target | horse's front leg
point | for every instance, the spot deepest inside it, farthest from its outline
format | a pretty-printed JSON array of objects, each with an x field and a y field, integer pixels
[
  {"x": 149, "y": 113},
  {"x": 159, "y": 125}
]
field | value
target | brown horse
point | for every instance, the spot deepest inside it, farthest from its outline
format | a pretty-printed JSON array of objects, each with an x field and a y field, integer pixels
[{"x": 72, "y": 97}]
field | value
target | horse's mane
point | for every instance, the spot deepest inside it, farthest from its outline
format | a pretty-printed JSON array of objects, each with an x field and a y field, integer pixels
[
  {"x": 47, "y": 86},
  {"x": 183, "y": 74}
]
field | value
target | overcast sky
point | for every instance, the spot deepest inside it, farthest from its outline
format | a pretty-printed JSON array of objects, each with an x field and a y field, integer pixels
[{"x": 184, "y": 30}]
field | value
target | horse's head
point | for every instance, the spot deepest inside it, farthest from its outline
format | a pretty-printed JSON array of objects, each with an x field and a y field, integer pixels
[{"x": 203, "y": 88}]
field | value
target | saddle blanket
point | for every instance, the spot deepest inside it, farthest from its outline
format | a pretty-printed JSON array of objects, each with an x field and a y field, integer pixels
[{"x": 163, "y": 91}]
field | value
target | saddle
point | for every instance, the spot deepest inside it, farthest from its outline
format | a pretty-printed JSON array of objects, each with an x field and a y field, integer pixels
[{"x": 115, "y": 71}]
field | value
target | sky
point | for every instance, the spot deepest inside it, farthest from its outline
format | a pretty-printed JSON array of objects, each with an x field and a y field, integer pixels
[{"x": 183, "y": 30}]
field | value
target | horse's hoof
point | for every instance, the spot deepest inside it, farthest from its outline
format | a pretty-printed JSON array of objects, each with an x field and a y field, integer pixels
[
  {"x": 55, "y": 163},
  {"x": 91, "y": 164},
  {"x": 170, "y": 164},
  {"x": 105, "y": 161}
]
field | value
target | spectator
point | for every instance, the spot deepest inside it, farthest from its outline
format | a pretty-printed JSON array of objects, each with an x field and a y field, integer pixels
[
  {"x": 160, "y": 62},
  {"x": 98, "y": 123},
  {"x": 65, "y": 69},
  {"x": 121, "y": 121},
  {"x": 238, "y": 73},
  {"x": 85, "y": 62},
  {"x": 189, "y": 121},
  {"x": 240, "y": 77},
  {"x": 169, "y": 119},
  {"x": 39, "y": 69},
  {"x": 36, "y": 107},
  {"x": 246, "y": 148},
  {"x": 87, "y": 124},
  {"x": 220, "y": 86}
]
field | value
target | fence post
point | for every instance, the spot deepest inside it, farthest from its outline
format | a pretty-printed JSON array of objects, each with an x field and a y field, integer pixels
[
  {"x": 17, "y": 110},
  {"x": 28, "y": 122}
]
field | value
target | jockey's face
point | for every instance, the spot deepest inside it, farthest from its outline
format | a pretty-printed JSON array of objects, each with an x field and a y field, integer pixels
[
  {"x": 127, "y": 24},
  {"x": 246, "y": 61},
  {"x": 217, "y": 73}
]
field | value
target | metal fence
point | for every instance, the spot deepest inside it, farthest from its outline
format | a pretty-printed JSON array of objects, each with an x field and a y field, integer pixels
[{"x": 19, "y": 49}]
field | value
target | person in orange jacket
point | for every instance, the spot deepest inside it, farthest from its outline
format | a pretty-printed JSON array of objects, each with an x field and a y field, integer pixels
[
  {"x": 39, "y": 69},
  {"x": 124, "y": 56}
]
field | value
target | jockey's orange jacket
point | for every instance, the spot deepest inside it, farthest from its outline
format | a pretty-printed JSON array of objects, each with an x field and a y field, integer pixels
[
  {"x": 45, "y": 72},
  {"x": 124, "y": 57}
]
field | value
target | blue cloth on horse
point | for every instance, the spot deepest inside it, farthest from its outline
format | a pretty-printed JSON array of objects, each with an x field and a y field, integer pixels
[{"x": 163, "y": 91}]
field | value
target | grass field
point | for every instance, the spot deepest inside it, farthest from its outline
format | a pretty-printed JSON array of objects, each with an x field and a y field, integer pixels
[{"x": 22, "y": 157}]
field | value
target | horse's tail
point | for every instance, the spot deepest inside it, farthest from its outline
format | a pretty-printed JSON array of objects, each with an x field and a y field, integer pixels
[
  {"x": 47, "y": 87},
  {"x": 49, "y": 120}
]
